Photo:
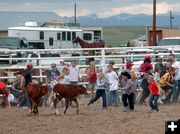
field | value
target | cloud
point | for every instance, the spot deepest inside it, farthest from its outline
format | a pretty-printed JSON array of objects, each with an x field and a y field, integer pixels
[
  {"x": 103, "y": 8},
  {"x": 162, "y": 8}
]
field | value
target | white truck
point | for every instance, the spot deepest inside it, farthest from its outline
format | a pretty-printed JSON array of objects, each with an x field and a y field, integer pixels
[{"x": 54, "y": 38}]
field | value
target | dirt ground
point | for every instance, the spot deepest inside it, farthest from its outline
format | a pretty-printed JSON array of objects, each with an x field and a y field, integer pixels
[{"x": 90, "y": 120}]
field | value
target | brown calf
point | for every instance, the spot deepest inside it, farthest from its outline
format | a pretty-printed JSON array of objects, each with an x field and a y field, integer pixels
[
  {"x": 35, "y": 92},
  {"x": 69, "y": 92}
]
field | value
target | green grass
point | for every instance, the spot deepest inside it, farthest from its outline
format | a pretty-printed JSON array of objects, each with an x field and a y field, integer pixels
[{"x": 118, "y": 36}]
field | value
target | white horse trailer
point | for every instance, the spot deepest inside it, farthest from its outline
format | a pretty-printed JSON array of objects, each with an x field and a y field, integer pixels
[{"x": 47, "y": 37}]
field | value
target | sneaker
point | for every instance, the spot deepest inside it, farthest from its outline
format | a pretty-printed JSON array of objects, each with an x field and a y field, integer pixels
[
  {"x": 126, "y": 109},
  {"x": 104, "y": 109}
]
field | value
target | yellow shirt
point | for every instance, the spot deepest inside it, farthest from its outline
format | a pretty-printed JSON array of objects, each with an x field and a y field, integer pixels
[{"x": 165, "y": 79}]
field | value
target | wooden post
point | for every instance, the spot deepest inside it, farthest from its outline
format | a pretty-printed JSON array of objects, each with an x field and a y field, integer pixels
[{"x": 154, "y": 43}]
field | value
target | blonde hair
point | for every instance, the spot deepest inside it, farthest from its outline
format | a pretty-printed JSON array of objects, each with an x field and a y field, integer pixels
[
  {"x": 65, "y": 71},
  {"x": 151, "y": 78}
]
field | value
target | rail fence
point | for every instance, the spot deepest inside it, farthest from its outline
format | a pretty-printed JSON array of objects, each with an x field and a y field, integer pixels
[{"x": 18, "y": 59}]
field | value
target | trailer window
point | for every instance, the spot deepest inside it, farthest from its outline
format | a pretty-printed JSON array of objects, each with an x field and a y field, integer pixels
[
  {"x": 73, "y": 35},
  {"x": 58, "y": 36},
  {"x": 87, "y": 36},
  {"x": 63, "y": 36},
  {"x": 68, "y": 36},
  {"x": 41, "y": 35},
  {"x": 50, "y": 41}
]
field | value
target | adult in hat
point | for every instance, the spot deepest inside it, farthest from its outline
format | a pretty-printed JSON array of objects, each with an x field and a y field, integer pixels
[
  {"x": 129, "y": 65},
  {"x": 147, "y": 63}
]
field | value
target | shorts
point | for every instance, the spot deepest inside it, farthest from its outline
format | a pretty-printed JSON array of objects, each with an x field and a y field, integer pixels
[{"x": 92, "y": 85}]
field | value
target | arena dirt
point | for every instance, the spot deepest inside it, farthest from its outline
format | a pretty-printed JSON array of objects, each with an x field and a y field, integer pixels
[{"x": 91, "y": 120}]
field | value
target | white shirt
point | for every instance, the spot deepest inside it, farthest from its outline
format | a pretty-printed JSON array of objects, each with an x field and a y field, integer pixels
[
  {"x": 73, "y": 73},
  {"x": 176, "y": 65},
  {"x": 113, "y": 80},
  {"x": 65, "y": 80}
]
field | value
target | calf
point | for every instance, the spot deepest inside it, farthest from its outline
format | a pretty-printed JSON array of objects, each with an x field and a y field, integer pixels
[
  {"x": 69, "y": 92},
  {"x": 35, "y": 92}
]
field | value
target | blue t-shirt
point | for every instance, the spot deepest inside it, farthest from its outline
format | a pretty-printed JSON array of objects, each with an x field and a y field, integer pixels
[{"x": 53, "y": 74}]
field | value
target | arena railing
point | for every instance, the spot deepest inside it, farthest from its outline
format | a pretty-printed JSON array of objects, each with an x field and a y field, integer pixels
[{"x": 103, "y": 54}]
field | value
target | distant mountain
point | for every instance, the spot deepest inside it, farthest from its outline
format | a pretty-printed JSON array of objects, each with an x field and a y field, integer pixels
[{"x": 127, "y": 19}]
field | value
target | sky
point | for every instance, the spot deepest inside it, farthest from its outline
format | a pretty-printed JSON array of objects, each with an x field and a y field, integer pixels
[{"x": 102, "y": 8}]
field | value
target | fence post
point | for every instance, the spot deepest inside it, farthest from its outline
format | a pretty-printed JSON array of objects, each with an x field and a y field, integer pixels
[
  {"x": 40, "y": 67},
  {"x": 173, "y": 49},
  {"x": 103, "y": 60}
]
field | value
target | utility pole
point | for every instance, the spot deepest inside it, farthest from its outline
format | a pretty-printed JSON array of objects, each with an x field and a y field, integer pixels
[
  {"x": 171, "y": 19},
  {"x": 75, "y": 13},
  {"x": 154, "y": 41}
]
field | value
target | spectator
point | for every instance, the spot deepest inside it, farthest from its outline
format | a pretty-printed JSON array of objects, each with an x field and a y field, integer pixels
[
  {"x": 160, "y": 64},
  {"x": 17, "y": 88},
  {"x": 54, "y": 73},
  {"x": 147, "y": 63},
  {"x": 62, "y": 63},
  {"x": 157, "y": 74},
  {"x": 92, "y": 77},
  {"x": 176, "y": 82},
  {"x": 28, "y": 78},
  {"x": 129, "y": 65},
  {"x": 113, "y": 87},
  {"x": 65, "y": 76},
  {"x": 74, "y": 73},
  {"x": 168, "y": 65}
]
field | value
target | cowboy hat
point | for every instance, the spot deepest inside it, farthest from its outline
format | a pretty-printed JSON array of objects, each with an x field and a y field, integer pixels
[{"x": 125, "y": 73}]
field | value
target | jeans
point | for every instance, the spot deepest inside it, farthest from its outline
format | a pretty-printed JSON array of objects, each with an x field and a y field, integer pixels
[
  {"x": 24, "y": 101},
  {"x": 128, "y": 98},
  {"x": 75, "y": 83},
  {"x": 153, "y": 102},
  {"x": 176, "y": 91},
  {"x": 100, "y": 93},
  {"x": 113, "y": 98}
]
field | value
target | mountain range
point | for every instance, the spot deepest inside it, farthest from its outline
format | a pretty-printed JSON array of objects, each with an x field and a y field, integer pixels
[{"x": 126, "y": 19}]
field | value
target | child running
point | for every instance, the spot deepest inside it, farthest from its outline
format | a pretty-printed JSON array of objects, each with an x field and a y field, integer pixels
[
  {"x": 154, "y": 94},
  {"x": 100, "y": 86},
  {"x": 127, "y": 89}
]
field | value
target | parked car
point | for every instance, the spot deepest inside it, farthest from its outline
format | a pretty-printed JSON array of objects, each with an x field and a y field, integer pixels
[
  {"x": 13, "y": 43},
  {"x": 169, "y": 45}
]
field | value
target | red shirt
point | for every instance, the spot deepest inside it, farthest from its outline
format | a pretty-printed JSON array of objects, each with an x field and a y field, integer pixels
[
  {"x": 144, "y": 65},
  {"x": 2, "y": 85},
  {"x": 5, "y": 92},
  {"x": 92, "y": 76},
  {"x": 153, "y": 88}
]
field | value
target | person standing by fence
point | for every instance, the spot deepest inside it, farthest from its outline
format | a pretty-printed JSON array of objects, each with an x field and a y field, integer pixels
[
  {"x": 92, "y": 77},
  {"x": 74, "y": 73},
  {"x": 113, "y": 86},
  {"x": 176, "y": 81},
  {"x": 28, "y": 79}
]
